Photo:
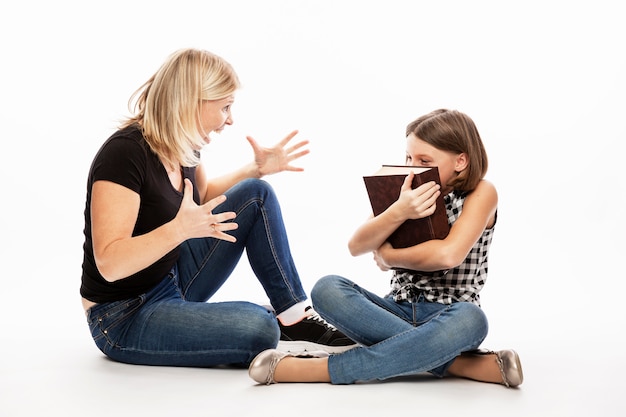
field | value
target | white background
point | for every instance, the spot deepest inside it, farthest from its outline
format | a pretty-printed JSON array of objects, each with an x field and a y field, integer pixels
[{"x": 543, "y": 81}]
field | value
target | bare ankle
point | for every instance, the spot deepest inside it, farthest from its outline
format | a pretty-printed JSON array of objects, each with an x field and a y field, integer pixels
[
  {"x": 482, "y": 368},
  {"x": 293, "y": 369}
]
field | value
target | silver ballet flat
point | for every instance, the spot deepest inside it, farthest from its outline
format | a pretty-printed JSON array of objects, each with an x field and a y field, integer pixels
[
  {"x": 509, "y": 364},
  {"x": 510, "y": 368},
  {"x": 264, "y": 364}
]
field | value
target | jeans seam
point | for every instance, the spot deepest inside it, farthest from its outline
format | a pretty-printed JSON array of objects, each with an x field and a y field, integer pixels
[
  {"x": 134, "y": 305},
  {"x": 206, "y": 258},
  {"x": 273, "y": 250}
]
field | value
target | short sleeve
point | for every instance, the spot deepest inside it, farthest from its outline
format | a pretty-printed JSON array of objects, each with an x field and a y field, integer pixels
[{"x": 121, "y": 160}]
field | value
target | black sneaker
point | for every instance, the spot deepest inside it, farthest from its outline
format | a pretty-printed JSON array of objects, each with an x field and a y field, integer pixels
[{"x": 312, "y": 334}]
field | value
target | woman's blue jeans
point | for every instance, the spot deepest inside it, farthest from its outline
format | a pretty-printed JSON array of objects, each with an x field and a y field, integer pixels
[
  {"x": 173, "y": 324},
  {"x": 397, "y": 338}
]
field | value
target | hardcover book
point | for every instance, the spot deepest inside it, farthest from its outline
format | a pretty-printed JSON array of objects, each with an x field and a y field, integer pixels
[{"x": 383, "y": 189}]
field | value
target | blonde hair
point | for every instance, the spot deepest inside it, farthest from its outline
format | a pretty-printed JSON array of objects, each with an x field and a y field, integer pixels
[
  {"x": 453, "y": 131},
  {"x": 167, "y": 106}
]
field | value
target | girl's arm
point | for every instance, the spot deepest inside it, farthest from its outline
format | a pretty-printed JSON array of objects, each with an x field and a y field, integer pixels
[
  {"x": 411, "y": 204},
  {"x": 478, "y": 214},
  {"x": 119, "y": 254}
]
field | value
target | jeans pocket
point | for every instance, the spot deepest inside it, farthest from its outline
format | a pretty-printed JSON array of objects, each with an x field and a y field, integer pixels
[{"x": 107, "y": 320}]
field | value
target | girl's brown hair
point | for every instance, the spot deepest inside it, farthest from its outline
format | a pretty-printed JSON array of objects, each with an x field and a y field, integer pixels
[{"x": 453, "y": 131}]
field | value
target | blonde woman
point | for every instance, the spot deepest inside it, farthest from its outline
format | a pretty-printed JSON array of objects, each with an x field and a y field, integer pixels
[{"x": 161, "y": 238}]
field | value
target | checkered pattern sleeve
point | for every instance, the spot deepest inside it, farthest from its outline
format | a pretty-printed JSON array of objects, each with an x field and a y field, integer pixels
[{"x": 462, "y": 283}]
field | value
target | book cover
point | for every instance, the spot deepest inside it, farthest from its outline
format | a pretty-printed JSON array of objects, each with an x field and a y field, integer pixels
[{"x": 383, "y": 189}]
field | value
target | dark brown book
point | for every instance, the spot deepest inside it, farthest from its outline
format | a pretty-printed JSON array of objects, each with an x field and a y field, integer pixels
[{"x": 383, "y": 189}]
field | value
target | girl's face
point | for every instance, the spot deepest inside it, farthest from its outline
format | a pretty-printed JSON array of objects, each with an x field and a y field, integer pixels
[
  {"x": 214, "y": 116},
  {"x": 420, "y": 153}
]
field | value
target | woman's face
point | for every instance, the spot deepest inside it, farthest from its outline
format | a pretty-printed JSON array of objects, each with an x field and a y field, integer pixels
[
  {"x": 420, "y": 153},
  {"x": 214, "y": 116}
]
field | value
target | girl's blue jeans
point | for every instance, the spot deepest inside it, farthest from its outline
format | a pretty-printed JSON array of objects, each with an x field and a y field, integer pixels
[
  {"x": 397, "y": 338},
  {"x": 173, "y": 324}
]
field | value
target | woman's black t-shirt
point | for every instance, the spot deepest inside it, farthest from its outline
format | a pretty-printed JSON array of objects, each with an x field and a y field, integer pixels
[{"x": 126, "y": 159}]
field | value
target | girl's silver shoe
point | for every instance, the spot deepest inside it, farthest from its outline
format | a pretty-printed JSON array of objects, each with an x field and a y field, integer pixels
[
  {"x": 509, "y": 364},
  {"x": 264, "y": 364},
  {"x": 510, "y": 368}
]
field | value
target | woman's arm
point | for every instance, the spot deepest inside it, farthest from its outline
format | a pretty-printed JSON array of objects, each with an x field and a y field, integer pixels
[
  {"x": 114, "y": 211},
  {"x": 267, "y": 161},
  {"x": 478, "y": 214},
  {"x": 214, "y": 187}
]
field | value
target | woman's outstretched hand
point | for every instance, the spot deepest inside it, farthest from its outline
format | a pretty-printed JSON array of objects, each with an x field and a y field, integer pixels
[
  {"x": 278, "y": 158},
  {"x": 199, "y": 221}
]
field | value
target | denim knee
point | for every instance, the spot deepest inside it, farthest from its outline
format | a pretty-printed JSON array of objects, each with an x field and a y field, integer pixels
[
  {"x": 326, "y": 289},
  {"x": 265, "y": 329},
  {"x": 256, "y": 186},
  {"x": 323, "y": 285},
  {"x": 473, "y": 318}
]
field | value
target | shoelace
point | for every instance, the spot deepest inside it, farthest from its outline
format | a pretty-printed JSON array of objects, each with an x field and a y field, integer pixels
[{"x": 318, "y": 318}]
